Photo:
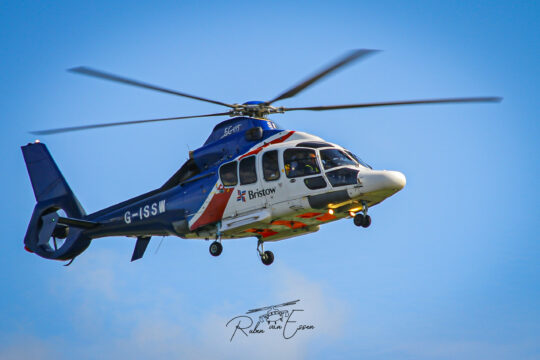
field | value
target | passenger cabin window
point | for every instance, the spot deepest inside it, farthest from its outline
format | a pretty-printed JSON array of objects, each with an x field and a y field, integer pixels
[
  {"x": 300, "y": 162},
  {"x": 227, "y": 173},
  {"x": 248, "y": 175},
  {"x": 332, "y": 158},
  {"x": 342, "y": 177},
  {"x": 270, "y": 165}
]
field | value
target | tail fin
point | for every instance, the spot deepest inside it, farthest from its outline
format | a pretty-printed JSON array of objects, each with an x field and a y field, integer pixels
[
  {"x": 47, "y": 180},
  {"x": 52, "y": 194}
]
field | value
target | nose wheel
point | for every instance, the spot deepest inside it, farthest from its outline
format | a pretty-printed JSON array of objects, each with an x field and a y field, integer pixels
[
  {"x": 362, "y": 219},
  {"x": 267, "y": 257}
]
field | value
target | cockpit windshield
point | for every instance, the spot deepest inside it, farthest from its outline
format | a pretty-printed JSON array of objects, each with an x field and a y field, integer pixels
[
  {"x": 332, "y": 158},
  {"x": 358, "y": 160}
]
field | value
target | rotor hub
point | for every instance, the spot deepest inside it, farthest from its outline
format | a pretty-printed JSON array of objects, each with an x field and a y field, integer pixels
[{"x": 257, "y": 109}]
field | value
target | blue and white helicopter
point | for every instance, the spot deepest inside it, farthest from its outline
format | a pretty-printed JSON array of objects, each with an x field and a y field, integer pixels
[{"x": 249, "y": 179}]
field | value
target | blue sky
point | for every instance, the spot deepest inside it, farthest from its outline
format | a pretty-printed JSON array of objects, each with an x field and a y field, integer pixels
[{"x": 448, "y": 269}]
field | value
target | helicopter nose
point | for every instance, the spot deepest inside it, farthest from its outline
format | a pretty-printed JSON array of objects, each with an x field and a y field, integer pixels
[
  {"x": 394, "y": 180},
  {"x": 378, "y": 180}
]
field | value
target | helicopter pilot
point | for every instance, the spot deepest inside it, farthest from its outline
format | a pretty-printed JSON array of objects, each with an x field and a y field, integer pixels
[{"x": 302, "y": 164}]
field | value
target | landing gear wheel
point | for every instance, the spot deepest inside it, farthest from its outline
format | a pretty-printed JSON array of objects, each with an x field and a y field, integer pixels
[
  {"x": 359, "y": 220},
  {"x": 362, "y": 220},
  {"x": 215, "y": 248},
  {"x": 267, "y": 257},
  {"x": 367, "y": 221}
]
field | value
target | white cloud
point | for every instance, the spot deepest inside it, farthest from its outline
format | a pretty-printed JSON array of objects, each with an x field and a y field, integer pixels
[
  {"x": 113, "y": 316},
  {"x": 112, "y": 320}
]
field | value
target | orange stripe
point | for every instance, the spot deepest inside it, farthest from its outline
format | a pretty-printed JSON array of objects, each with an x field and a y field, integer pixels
[
  {"x": 308, "y": 215},
  {"x": 289, "y": 224},
  {"x": 326, "y": 217},
  {"x": 263, "y": 232}
]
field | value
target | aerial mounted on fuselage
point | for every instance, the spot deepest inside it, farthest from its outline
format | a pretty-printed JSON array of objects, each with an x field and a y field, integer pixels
[{"x": 249, "y": 179}]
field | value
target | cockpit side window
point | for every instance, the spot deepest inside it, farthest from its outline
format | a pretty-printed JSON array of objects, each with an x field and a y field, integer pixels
[
  {"x": 358, "y": 160},
  {"x": 270, "y": 165},
  {"x": 248, "y": 174},
  {"x": 228, "y": 175},
  {"x": 300, "y": 162},
  {"x": 332, "y": 158}
]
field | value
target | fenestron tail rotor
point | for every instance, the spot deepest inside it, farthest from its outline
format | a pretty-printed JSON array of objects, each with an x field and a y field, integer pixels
[{"x": 259, "y": 109}]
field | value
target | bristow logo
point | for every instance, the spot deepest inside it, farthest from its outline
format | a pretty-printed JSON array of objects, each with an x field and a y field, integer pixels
[
  {"x": 241, "y": 196},
  {"x": 229, "y": 130},
  {"x": 260, "y": 193},
  {"x": 275, "y": 318}
]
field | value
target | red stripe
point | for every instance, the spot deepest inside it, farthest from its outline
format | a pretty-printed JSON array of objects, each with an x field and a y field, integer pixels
[
  {"x": 275, "y": 141},
  {"x": 214, "y": 210}
]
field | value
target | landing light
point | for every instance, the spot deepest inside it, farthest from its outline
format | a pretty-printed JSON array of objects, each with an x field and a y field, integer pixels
[
  {"x": 331, "y": 211},
  {"x": 351, "y": 214},
  {"x": 37, "y": 141}
]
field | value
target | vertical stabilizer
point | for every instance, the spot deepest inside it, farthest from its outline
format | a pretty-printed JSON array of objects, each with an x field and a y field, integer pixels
[{"x": 45, "y": 236}]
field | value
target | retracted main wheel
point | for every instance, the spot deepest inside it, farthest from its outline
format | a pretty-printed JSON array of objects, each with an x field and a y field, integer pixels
[
  {"x": 267, "y": 257},
  {"x": 215, "y": 248}
]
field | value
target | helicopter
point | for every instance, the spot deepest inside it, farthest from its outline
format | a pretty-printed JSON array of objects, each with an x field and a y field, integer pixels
[
  {"x": 273, "y": 313},
  {"x": 250, "y": 179}
]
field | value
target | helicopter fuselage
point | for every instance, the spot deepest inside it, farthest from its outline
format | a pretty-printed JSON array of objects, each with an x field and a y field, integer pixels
[
  {"x": 250, "y": 179},
  {"x": 256, "y": 189}
]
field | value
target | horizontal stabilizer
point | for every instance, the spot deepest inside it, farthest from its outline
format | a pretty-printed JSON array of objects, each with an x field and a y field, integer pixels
[{"x": 83, "y": 224}]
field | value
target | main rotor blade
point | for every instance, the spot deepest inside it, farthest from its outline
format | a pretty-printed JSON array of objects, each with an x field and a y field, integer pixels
[
  {"x": 103, "y": 75},
  {"x": 347, "y": 59},
  {"x": 95, "y": 126},
  {"x": 392, "y": 103}
]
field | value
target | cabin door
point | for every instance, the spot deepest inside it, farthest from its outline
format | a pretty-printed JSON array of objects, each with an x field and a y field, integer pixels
[{"x": 250, "y": 194}]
